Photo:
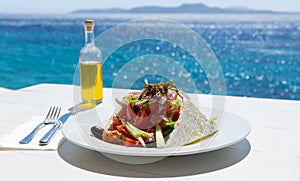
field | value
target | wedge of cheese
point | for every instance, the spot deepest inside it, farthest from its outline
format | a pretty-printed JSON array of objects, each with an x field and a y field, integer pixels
[{"x": 191, "y": 126}]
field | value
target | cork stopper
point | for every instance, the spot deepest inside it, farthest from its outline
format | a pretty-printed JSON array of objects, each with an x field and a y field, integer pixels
[{"x": 89, "y": 25}]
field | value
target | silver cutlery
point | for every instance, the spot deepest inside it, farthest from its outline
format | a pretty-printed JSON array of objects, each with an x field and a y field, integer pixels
[
  {"x": 58, "y": 125},
  {"x": 51, "y": 118}
]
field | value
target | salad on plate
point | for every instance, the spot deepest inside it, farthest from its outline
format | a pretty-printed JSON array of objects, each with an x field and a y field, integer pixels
[{"x": 160, "y": 115}]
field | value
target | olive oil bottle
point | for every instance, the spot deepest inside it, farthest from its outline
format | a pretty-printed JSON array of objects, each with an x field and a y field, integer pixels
[{"x": 90, "y": 60}]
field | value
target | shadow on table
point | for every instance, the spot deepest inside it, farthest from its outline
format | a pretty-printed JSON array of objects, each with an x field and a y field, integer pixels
[{"x": 168, "y": 167}]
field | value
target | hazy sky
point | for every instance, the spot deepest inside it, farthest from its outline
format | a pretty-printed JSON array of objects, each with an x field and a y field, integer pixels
[{"x": 66, "y": 6}]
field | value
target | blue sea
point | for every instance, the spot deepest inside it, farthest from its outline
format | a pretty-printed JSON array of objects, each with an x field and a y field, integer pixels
[{"x": 259, "y": 53}]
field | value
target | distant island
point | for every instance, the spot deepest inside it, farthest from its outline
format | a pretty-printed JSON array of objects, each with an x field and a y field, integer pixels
[{"x": 185, "y": 8}]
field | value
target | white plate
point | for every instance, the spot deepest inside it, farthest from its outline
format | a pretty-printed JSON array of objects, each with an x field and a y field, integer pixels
[{"x": 232, "y": 130}]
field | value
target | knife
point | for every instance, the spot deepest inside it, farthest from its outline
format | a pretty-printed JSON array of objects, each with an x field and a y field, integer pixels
[{"x": 58, "y": 125}]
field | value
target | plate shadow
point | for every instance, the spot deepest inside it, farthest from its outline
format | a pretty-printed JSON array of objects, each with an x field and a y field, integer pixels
[{"x": 173, "y": 166}]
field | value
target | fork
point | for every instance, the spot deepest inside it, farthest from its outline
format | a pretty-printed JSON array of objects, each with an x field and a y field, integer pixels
[
  {"x": 45, "y": 140},
  {"x": 51, "y": 118}
]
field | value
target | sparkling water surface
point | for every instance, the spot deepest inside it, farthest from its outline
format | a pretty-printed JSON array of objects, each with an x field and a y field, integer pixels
[{"x": 259, "y": 54}]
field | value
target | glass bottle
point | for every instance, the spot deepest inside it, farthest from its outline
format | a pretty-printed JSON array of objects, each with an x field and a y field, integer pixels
[{"x": 90, "y": 67}]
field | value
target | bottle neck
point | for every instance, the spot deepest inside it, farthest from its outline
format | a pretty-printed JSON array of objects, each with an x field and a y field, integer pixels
[{"x": 89, "y": 37}]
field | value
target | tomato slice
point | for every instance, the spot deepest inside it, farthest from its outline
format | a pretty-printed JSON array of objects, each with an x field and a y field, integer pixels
[
  {"x": 176, "y": 114},
  {"x": 116, "y": 122},
  {"x": 168, "y": 111},
  {"x": 122, "y": 129},
  {"x": 130, "y": 142}
]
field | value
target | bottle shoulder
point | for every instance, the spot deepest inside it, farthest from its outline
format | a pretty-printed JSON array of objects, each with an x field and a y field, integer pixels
[
  {"x": 90, "y": 53},
  {"x": 90, "y": 48}
]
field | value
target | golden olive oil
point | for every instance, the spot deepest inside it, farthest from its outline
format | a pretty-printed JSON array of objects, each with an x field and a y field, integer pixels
[{"x": 91, "y": 81}]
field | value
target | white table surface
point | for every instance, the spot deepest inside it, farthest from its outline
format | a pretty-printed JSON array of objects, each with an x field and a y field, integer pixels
[{"x": 270, "y": 152}]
